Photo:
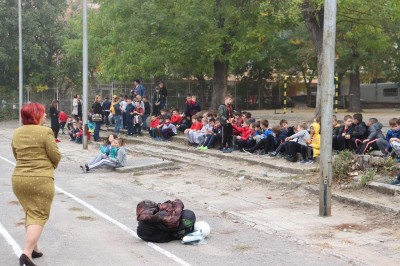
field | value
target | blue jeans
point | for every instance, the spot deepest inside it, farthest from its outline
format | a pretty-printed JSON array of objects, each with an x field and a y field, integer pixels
[
  {"x": 118, "y": 123},
  {"x": 97, "y": 126}
]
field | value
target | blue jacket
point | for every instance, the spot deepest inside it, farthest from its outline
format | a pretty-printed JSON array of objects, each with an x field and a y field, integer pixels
[
  {"x": 141, "y": 90},
  {"x": 117, "y": 109},
  {"x": 129, "y": 109},
  {"x": 281, "y": 137},
  {"x": 267, "y": 132}
]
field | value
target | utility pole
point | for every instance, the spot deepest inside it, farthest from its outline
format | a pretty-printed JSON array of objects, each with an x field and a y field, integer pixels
[
  {"x": 85, "y": 77},
  {"x": 327, "y": 90},
  {"x": 21, "y": 70}
]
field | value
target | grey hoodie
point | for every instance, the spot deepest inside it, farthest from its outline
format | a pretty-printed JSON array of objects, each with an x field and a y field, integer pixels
[
  {"x": 120, "y": 160},
  {"x": 302, "y": 136},
  {"x": 375, "y": 131}
]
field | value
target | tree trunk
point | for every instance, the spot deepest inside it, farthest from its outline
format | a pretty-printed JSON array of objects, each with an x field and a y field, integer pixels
[
  {"x": 220, "y": 85},
  {"x": 314, "y": 20},
  {"x": 354, "y": 91}
]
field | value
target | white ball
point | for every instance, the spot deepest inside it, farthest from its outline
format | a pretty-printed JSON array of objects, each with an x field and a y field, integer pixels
[{"x": 204, "y": 227}]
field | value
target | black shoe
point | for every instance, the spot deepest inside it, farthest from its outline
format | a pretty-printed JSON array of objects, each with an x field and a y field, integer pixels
[
  {"x": 87, "y": 167},
  {"x": 246, "y": 151},
  {"x": 273, "y": 154},
  {"x": 24, "y": 260},
  {"x": 291, "y": 159},
  {"x": 36, "y": 254}
]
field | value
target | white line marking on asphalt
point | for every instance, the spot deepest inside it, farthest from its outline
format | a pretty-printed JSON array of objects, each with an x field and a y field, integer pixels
[
  {"x": 10, "y": 240},
  {"x": 18, "y": 250}
]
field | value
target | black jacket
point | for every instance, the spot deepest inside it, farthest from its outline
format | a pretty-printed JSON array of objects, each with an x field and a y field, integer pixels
[
  {"x": 97, "y": 109},
  {"x": 359, "y": 131}
]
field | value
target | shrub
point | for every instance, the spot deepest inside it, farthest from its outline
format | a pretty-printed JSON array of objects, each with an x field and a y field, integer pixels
[
  {"x": 385, "y": 166},
  {"x": 342, "y": 166},
  {"x": 368, "y": 176}
]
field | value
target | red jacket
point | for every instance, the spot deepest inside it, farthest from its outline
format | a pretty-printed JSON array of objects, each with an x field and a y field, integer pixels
[
  {"x": 63, "y": 117},
  {"x": 197, "y": 126},
  {"x": 245, "y": 132},
  {"x": 154, "y": 123},
  {"x": 176, "y": 119}
]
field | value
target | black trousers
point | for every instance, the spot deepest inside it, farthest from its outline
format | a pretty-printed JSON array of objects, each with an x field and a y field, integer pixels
[
  {"x": 227, "y": 135},
  {"x": 293, "y": 148},
  {"x": 339, "y": 143},
  {"x": 268, "y": 144},
  {"x": 55, "y": 127},
  {"x": 307, "y": 152}
]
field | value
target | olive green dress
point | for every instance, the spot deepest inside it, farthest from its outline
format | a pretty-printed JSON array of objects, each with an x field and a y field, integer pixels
[{"x": 37, "y": 156}]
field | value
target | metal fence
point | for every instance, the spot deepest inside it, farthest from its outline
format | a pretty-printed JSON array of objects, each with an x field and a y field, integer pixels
[{"x": 249, "y": 95}]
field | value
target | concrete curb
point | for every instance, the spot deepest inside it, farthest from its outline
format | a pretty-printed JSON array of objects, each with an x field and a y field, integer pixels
[
  {"x": 356, "y": 201},
  {"x": 143, "y": 164},
  {"x": 235, "y": 156}
]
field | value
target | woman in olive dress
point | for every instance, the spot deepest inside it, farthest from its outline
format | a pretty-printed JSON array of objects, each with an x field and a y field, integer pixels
[{"x": 37, "y": 156}]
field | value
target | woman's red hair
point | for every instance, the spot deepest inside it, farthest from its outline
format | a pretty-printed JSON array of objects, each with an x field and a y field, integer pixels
[{"x": 31, "y": 113}]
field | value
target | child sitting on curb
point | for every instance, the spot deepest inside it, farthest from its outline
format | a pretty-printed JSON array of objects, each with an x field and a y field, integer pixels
[{"x": 312, "y": 150}]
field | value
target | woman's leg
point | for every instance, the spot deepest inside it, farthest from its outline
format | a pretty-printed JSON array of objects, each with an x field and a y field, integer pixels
[
  {"x": 97, "y": 131},
  {"x": 32, "y": 235}
]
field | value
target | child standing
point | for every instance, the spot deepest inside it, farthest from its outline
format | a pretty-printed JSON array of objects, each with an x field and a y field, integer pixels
[
  {"x": 225, "y": 116},
  {"x": 63, "y": 117},
  {"x": 129, "y": 116},
  {"x": 156, "y": 100},
  {"x": 137, "y": 119},
  {"x": 147, "y": 111}
]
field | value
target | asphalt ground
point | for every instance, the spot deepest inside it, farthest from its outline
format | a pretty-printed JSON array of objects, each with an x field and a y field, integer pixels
[{"x": 93, "y": 222}]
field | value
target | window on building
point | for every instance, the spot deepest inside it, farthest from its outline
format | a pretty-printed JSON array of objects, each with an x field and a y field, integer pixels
[{"x": 389, "y": 92}]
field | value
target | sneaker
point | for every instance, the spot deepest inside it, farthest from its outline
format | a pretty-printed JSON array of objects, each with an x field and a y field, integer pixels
[
  {"x": 83, "y": 168},
  {"x": 395, "y": 182},
  {"x": 263, "y": 153},
  {"x": 57, "y": 141},
  {"x": 228, "y": 150},
  {"x": 310, "y": 162},
  {"x": 246, "y": 151},
  {"x": 291, "y": 159},
  {"x": 273, "y": 154},
  {"x": 200, "y": 147},
  {"x": 87, "y": 167},
  {"x": 303, "y": 161},
  {"x": 205, "y": 148},
  {"x": 398, "y": 160},
  {"x": 223, "y": 150}
]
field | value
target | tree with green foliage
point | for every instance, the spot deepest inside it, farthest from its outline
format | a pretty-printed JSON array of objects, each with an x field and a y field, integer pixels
[
  {"x": 153, "y": 39},
  {"x": 43, "y": 34}
]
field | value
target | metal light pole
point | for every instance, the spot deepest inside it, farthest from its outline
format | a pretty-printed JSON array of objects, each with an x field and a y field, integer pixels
[
  {"x": 327, "y": 90},
  {"x": 85, "y": 78},
  {"x": 20, "y": 66}
]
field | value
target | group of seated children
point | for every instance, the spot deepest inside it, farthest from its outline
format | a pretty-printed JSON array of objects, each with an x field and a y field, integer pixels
[
  {"x": 285, "y": 141},
  {"x": 75, "y": 127},
  {"x": 359, "y": 137}
]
